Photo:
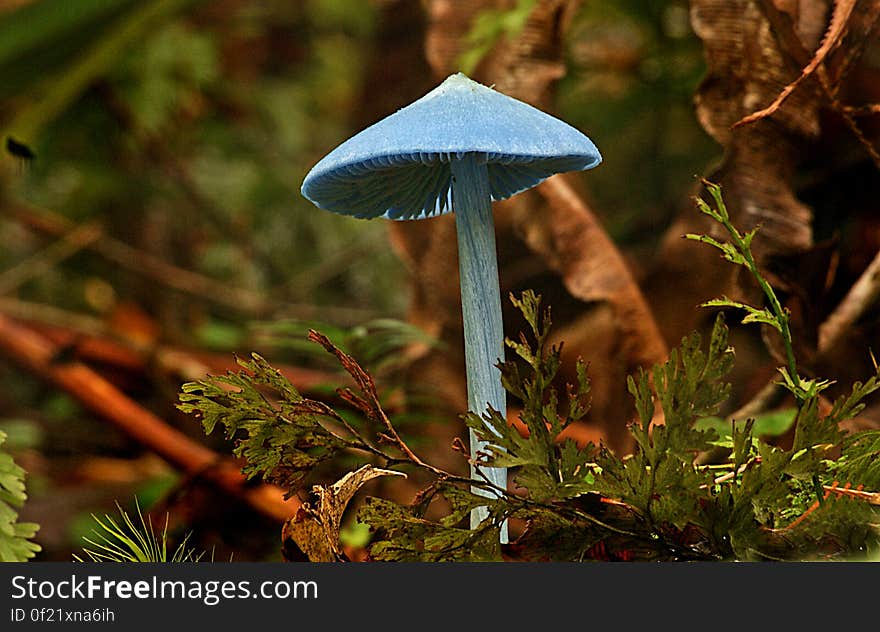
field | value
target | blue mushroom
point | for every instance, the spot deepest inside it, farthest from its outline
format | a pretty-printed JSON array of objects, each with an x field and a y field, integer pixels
[{"x": 456, "y": 149}]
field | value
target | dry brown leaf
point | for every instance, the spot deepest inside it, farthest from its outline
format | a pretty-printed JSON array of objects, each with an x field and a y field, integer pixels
[
  {"x": 313, "y": 533},
  {"x": 303, "y": 540},
  {"x": 839, "y": 18},
  {"x": 593, "y": 269},
  {"x": 755, "y": 50},
  {"x": 746, "y": 66}
]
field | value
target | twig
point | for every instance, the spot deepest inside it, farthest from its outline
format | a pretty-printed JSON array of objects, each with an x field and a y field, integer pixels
[
  {"x": 52, "y": 315},
  {"x": 862, "y": 110},
  {"x": 93, "y": 342},
  {"x": 369, "y": 404},
  {"x": 145, "y": 263},
  {"x": 765, "y": 399},
  {"x": 367, "y": 387},
  {"x": 784, "y": 29},
  {"x": 41, "y": 262},
  {"x": 832, "y": 38},
  {"x": 849, "y": 119},
  {"x": 861, "y": 295},
  {"x": 732, "y": 475},
  {"x": 872, "y": 498},
  {"x": 575, "y": 230},
  {"x": 37, "y": 354},
  {"x": 186, "y": 281}
]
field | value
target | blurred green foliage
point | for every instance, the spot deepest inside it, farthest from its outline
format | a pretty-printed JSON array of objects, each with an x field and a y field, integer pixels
[
  {"x": 40, "y": 37},
  {"x": 633, "y": 68},
  {"x": 769, "y": 425},
  {"x": 183, "y": 128},
  {"x": 489, "y": 27},
  {"x": 192, "y": 144},
  {"x": 380, "y": 343}
]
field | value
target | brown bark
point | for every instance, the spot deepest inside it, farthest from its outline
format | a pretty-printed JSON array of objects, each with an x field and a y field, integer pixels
[{"x": 38, "y": 355}]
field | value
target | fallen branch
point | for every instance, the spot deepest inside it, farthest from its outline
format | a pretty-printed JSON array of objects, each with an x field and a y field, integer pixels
[
  {"x": 863, "y": 293},
  {"x": 38, "y": 264},
  {"x": 169, "y": 275},
  {"x": 37, "y": 354},
  {"x": 90, "y": 340}
]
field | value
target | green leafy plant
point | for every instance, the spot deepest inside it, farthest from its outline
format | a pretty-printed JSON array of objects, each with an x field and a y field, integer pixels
[
  {"x": 489, "y": 27},
  {"x": 133, "y": 540},
  {"x": 739, "y": 251},
  {"x": 15, "y": 537},
  {"x": 816, "y": 499}
]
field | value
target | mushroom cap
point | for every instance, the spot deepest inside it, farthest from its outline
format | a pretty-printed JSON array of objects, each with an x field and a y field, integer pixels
[{"x": 399, "y": 167}]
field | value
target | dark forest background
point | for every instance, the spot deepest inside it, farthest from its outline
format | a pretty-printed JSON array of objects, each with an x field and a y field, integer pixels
[{"x": 151, "y": 225}]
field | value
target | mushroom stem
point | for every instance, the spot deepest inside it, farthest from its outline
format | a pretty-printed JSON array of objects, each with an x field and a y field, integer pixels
[{"x": 480, "y": 304}]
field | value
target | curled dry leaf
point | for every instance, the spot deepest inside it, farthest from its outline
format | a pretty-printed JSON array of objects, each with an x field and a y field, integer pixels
[
  {"x": 313, "y": 533},
  {"x": 839, "y": 19},
  {"x": 760, "y": 52},
  {"x": 754, "y": 50},
  {"x": 747, "y": 67}
]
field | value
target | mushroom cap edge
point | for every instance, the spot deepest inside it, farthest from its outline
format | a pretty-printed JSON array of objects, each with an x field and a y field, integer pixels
[{"x": 399, "y": 167}]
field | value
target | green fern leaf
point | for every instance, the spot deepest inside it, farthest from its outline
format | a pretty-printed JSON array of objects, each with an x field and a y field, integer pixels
[{"x": 15, "y": 537}]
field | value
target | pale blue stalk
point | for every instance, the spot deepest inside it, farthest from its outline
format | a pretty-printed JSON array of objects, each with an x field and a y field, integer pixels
[
  {"x": 480, "y": 304},
  {"x": 399, "y": 168}
]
